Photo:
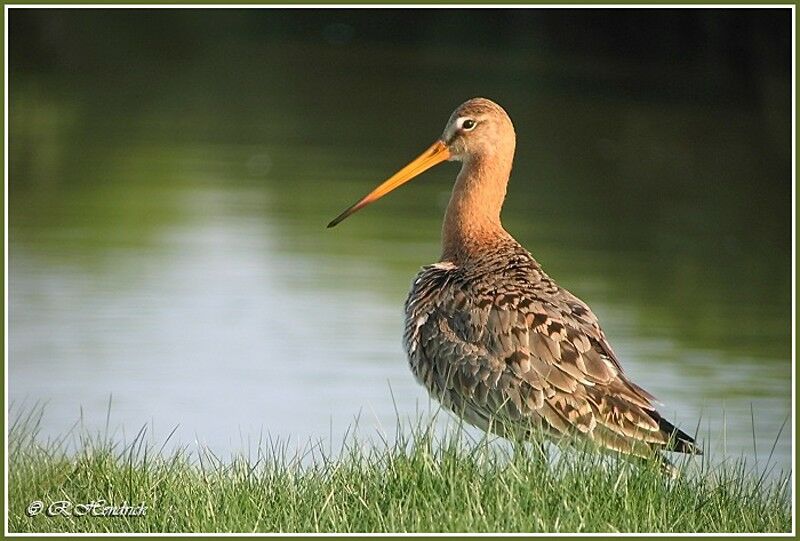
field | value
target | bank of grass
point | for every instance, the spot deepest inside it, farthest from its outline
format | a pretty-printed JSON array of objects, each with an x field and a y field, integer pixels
[{"x": 422, "y": 483}]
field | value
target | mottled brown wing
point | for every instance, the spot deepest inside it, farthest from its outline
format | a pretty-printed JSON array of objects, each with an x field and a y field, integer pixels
[{"x": 517, "y": 355}]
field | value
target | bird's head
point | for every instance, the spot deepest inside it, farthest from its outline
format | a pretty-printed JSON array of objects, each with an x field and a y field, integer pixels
[{"x": 477, "y": 128}]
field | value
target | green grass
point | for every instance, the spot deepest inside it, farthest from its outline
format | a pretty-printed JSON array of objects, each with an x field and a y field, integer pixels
[{"x": 422, "y": 483}]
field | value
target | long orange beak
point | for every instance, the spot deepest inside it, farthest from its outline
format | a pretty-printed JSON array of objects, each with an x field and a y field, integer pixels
[{"x": 437, "y": 153}]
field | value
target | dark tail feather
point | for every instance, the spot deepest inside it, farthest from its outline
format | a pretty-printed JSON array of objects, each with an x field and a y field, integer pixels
[{"x": 679, "y": 441}]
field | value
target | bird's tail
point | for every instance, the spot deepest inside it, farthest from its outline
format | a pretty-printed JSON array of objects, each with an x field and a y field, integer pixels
[{"x": 679, "y": 441}]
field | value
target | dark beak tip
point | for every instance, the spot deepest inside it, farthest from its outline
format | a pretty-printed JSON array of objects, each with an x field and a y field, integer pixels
[{"x": 336, "y": 221}]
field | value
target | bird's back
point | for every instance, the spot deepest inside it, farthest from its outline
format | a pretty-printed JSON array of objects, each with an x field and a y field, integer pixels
[{"x": 498, "y": 342}]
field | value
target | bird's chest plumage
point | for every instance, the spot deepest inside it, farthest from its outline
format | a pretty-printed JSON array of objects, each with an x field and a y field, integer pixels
[
  {"x": 453, "y": 319},
  {"x": 424, "y": 307}
]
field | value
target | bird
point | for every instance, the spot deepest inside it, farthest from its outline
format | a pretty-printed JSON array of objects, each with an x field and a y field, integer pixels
[{"x": 493, "y": 338}]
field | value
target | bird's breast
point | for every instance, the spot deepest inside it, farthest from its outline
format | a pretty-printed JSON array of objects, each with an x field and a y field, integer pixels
[{"x": 424, "y": 300}]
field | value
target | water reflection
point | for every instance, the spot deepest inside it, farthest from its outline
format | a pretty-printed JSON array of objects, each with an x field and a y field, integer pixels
[{"x": 167, "y": 246}]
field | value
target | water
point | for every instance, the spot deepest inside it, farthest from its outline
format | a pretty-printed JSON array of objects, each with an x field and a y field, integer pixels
[{"x": 168, "y": 245}]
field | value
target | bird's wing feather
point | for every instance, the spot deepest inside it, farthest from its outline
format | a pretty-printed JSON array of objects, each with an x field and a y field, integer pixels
[{"x": 514, "y": 352}]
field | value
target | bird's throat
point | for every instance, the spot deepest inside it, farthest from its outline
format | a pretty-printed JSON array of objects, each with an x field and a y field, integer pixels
[{"x": 472, "y": 220}]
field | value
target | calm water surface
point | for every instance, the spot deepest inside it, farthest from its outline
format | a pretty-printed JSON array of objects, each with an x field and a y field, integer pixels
[{"x": 168, "y": 245}]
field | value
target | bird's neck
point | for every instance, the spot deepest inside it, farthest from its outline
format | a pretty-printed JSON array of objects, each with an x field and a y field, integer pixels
[{"x": 472, "y": 221}]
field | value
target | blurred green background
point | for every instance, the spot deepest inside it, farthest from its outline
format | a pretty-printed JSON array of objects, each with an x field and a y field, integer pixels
[{"x": 172, "y": 172}]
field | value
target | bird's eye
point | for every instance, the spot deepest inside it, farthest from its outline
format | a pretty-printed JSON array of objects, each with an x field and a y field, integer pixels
[{"x": 468, "y": 124}]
